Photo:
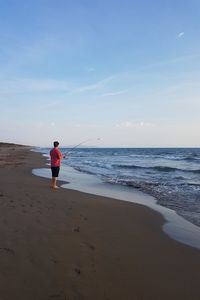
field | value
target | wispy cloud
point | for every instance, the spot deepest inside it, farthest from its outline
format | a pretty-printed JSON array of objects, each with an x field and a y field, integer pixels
[
  {"x": 129, "y": 124},
  {"x": 95, "y": 86},
  {"x": 50, "y": 105},
  {"x": 23, "y": 85},
  {"x": 171, "y": 61},
  {"x": 181, "y": 34},
  {"x": 90, "y": 69},
  {"x": 89, "y": 87},
  {"x": 114, "y": 93},
  {"x": 34, "y": 86}
]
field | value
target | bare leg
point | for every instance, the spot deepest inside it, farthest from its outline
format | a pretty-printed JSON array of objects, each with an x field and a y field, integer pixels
[{"x": 54, "y": 180}]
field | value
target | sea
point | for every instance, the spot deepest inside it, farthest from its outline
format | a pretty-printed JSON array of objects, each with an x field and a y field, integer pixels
[{"x": 170, "y": 175}]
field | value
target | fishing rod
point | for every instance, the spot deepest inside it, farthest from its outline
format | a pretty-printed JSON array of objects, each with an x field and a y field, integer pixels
[{"x": 72, "y": 149}]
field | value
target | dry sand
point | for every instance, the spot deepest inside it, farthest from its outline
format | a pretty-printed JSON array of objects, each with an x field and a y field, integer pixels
[{"x": 67, "y": 245}]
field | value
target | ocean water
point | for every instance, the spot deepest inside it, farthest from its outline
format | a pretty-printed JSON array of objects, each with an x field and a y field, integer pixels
[{"x": 171, "y": 175}]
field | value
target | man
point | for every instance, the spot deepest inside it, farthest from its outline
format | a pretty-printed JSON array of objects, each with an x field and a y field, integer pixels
[{"x": 56, "y": 157}]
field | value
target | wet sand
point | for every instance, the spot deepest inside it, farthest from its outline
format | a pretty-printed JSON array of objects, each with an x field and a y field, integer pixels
[{"x": 63, "y": 244}]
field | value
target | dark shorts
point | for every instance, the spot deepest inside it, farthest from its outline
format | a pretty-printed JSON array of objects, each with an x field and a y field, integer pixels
[{"x": 55, "y": 171}]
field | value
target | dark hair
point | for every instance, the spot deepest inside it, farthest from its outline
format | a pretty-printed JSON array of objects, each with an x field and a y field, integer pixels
[{"x": 55, "y": 144}]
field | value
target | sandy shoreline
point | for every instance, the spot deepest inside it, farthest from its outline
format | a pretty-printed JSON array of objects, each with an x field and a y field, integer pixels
[{"x": 70, "y": 245}]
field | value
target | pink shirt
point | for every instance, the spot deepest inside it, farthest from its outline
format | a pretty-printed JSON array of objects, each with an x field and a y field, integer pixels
[{"x": 56, "y": 156}]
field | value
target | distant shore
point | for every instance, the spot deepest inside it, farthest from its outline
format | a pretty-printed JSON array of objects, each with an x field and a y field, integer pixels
[{"x": 66, "y": 244}]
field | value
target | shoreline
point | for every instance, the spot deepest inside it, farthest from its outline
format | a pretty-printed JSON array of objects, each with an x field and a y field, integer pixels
[
  {"x": 175, "y": 226},
  {"x": 67, "y": 244}
]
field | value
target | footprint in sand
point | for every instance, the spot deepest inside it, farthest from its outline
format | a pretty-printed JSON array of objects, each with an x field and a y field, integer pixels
[
  {"x": 77, "y": 271},
  {"x": 55, "y": 261},
  {"x": 8, "y": 250},
  {"x": 83, "y": 217},
  {"x": 76, "y": 229},
  {"x": 91, "y": 247},
  {"x": 58, "y": 296}
]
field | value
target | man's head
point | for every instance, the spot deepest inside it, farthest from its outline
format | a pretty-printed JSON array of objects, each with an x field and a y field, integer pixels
[{"x": 55, "y": 144}]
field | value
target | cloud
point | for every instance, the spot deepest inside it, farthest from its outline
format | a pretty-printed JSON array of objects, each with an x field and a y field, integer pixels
[
  {"x": 45, "y": 85},
  {"x": 181, "y": 34},
  {"x": 171, "y": 61},
  {"x": 34, "y": 86},
  {"x": 51, "y": 105},
  {"x": 114, "y": 93},
  {"x": 90, "y": 69},
  {"x": 87, "y": 88},
  {"x": 128, "y": 124},
  {"x": 95, "y": 86}
]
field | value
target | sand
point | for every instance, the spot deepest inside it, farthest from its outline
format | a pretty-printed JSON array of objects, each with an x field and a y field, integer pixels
[{"x": 67, "y": 245}]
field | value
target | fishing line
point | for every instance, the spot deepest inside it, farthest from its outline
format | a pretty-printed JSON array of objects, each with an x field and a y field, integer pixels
[{"x": 84, "y": 142}]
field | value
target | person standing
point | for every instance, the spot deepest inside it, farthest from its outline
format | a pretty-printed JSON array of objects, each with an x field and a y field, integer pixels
[{"x": 56, "y": 157}]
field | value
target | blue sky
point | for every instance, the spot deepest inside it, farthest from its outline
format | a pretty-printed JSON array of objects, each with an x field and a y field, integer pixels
[{"x": 125, "y": 71}]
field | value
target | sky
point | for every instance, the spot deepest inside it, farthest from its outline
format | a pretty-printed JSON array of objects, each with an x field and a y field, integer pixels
[{"x": 127, "y": 72}]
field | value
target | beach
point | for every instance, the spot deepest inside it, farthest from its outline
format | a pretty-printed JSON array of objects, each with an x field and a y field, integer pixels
[{"x": 64, "y": 244}]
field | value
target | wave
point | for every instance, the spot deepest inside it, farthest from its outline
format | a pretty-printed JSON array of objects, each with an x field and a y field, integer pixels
[
  {"x": 84, "y": 171},
  {"x": 192, "y": 158},
  {"x": 155, "y": 168},
  {"x": 157, "y": 189},
  {"x": 194, "y": 184}
]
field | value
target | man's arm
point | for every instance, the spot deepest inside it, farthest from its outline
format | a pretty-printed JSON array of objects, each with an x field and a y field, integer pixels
[{"x": 59, "y": 154}]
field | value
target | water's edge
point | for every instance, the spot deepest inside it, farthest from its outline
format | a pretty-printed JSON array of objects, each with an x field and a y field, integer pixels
[
  {"x": 172, "y": 176},
  {"x": 175, "y": 226}
]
